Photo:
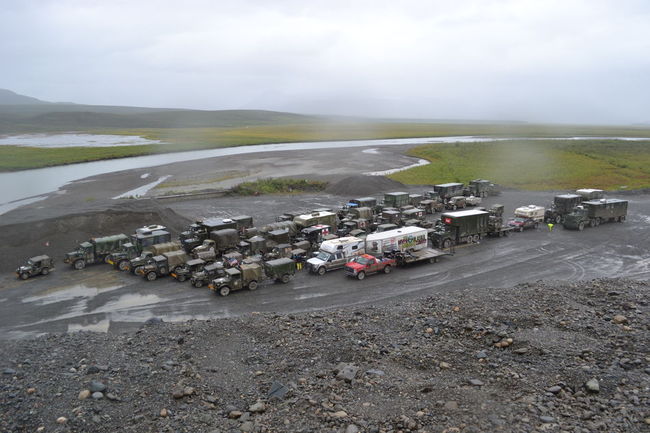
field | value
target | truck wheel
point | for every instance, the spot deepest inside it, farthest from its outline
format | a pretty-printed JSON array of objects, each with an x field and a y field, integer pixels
[
  {"x": 592, "y": 223},
  {"x": 198, "y": 284},
  {"x": 361, "y": 275},
  {"x": 107, "y": 258},
  {"x": 79, "y": 264},
  {"x": 476, "y": 239},
  {"x": 181, "y": 278},
  {"x": 581, "y": 226},
  {"x": 285, "y": 278},
  {"x": 558, "y": 219},
  {"x": 224, "y": 291},
  {"x": 433, "y": 260},
  {"x": 45, "y": 271},
  {"x": 151, "y": 276},
  {"x": 446, "y": 243},
  {"x": 622, "y": 218},
  {"x": 123, "y": 265},
  {"x": 24, "y": 276},
  {"x": 387, "y": 269},
  {"x": 321, "y": 271},
  {"x": 252, "y": 285},
  {"x": 163, "y": 271},
  {"x": 137, "y": 270},
  {"x": 521, "y": 229},
  {"x": 598, "y": 222}
]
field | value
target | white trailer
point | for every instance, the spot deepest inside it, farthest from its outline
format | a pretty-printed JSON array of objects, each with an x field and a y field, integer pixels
[
  {"x": 533, "y": 212},
  {"x": 405, "y": 244},
  {"x": 335, "y": 253}
]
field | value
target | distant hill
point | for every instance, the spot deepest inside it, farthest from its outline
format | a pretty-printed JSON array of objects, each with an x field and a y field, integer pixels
[
  {"x": 7, "y": 97},
  {"x": 23, "y": 114}
]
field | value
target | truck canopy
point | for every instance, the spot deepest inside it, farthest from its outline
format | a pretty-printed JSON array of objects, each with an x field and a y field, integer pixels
[
  {"x": 336, "y": 245},
  {"x": 590, "y": 193},
  {"x": 243, "y": 221},
  {"x": 314, "y": 218},
  {"x": 225, "y": 238},
  {"x": 467, "y": 222},
  {"x": 280, "y": 266},
  {"x": 396, "y": 199},
  {"x": 530, "y": 211},
  {"x": 176, "y": 258},
  {"x": 606, "y": 208},
  {"x": 364, "y": 202},
  {"x": 108, "y": 244},
  {"x": 250, "y": 272}
]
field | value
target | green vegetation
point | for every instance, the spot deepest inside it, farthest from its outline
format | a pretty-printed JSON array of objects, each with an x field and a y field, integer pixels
[
  {"x": 196, "y": 138},
  {"x": 536, "y": 164},
  {"x": 278, "y": 186}
]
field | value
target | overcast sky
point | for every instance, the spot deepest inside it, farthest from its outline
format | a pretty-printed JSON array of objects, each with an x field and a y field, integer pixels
[{"x": 554, "y": 61}]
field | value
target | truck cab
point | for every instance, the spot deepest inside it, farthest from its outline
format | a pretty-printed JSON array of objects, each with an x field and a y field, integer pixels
[
  {"x": 244, "y": 276},
  {"x": 185, "y": 271},
  {"x": 207, "y": 274},
  {"x": 157, "y": 266}
]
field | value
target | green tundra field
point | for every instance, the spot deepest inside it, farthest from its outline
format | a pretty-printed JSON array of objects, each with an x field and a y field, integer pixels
[{"x": 536, "y": 164}]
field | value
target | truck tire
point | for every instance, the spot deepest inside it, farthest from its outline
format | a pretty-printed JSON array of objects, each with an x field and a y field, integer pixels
[
  {"x": 252, "y": 285},
  {"x": 433, "y": 260},
  {"x": 123, "y": 265},
  {"x": 446, "y": 243},
  {"x": 387, "y": 269},
  {"x": 24, "y": 276},
  {"x": 521, "y": 229},
  {"x": 581, "y": 226},
  {"x": 151, "y": 276},
  {"x": 476, "y": 238},
  {"x": 198, "y": 284},
  {"x": 137, "y": 269},
  {"x": 321, "y": 271},
  {"x": 361, "y": 275},
  {"x": 79, "y": 264},
  {"x": 592, "y": 223},
  {"x": 285, "y": 278},
  {"x": 45, "y": 271},
  {"x": 558, "y": 219},
  {"x": 107, "y": 258},
  {"x": 224, "y": 291},
  {"x": 181, "y": 278}
]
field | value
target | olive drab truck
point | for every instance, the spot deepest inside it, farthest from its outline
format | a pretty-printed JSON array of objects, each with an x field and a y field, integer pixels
[
  {"x": 245, "y": 276},
  {"x": 464, "y": 226},
  {"x": 480, "y": 188},
  {"x": 396, "y": 199},
  {"x": 159, "y": 266},
  {"x": 404, "y": 244},
  {"x": 225, "y": 240},
  {"x": 206, "y": 251},
  {"x": 281, "y": 270},
  {"x": 594, "y": 212},
  {"x": 154, "y": 250},
  {"x": 334, "y": 254},
  {"x": 563, "y": 204},
  {"x": 185, "y": 271},
  {"x": 38, "y": 265},
  {"x": 200, "y": 231},
  {"x": 316, "y": 218},
  {"x": 448, "y": 190},
  {"x": 142, "y": 240},
  {"x": 96, "y": 250},
  {"x": 208, "y": 273}
]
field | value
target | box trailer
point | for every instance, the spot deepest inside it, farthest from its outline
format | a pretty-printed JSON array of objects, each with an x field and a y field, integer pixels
[
  {"x": 396, "y": 199},
  {"x": 461, "y": 227},
  {"x": 594, "y": 212},
  {"x": 447, "y": 190},
  {"x": 404, "y": 244}
]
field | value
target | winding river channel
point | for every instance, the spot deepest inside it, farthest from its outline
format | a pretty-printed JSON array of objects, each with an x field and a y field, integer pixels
[{"x": 27, "y": 186}]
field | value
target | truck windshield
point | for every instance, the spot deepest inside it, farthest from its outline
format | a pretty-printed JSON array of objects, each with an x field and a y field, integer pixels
[
  {"x": 362, "y": 260},
  {"x": 323, "y": 256}
]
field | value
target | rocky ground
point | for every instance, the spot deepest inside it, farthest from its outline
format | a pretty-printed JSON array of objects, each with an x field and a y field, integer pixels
[{"x": 537, "y": 357}]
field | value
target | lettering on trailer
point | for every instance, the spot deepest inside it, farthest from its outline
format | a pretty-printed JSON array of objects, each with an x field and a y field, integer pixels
[
  {"x": 447, "y": 220},
  {"x": 411, "y": 241}
]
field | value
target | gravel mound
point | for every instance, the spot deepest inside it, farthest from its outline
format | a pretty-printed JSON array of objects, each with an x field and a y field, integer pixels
[
  {"x": 536, "y": 357},
  {"x": 360, "y": 185},
  {"x": 57, "y": 236}
]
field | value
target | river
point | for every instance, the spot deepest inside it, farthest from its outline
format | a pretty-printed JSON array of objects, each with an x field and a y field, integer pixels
[{"x": 27, "y": 186}]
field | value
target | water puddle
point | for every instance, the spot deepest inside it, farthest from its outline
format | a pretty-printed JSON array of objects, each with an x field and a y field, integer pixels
[
  {"x": 128, "y": 301},
  {"x": 310, "y": 296},
  {"x": 139, "y": 192},
  {"x": 68, "y": 293},
  {"x": 372, "y": 151}
]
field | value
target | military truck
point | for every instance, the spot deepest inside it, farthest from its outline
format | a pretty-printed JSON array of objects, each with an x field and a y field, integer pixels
[
  {"x": 206, "y": 251},
  {"x": 225, "y": 240},
  {"x": 237, "y": 278},
  {"x": 432, "y": 206},
  {"x": 391, "y": 217},
  {"x": 594, "y": 212},
  {"x": 496, "y": 226},
  {"x": 281, "y": 270},
  {"x": 257, "y": 245},
  {"x": 242, "y": 222},
  {"x": 97, "y": 250},
  {"x": 456, "y": 202},
  {"x": 208, "y": 273},
  {"x": 448, "y": 190},
  {"x": 290, "y": 227},
  {"x": 200, "y": 231},
  {"x": 369, "y": 202},
  {"x": 142, "y": 240},
  {"x": 415, "y": 199},
  {"x": 458, "y": 227},
  {"x": 185, "y": 271},
  {"x": 563, "y": 204},
  {"x": 480, "y": 188},
  {"x": 334, "y": 254},
  {"x": 38, "y": 265},
  {"x": 396, "y": 199},
  {"x": 154, "y": 250},
  {"x": 316, "y": 218},
  {"x": 314, "y": 234},
  {"x": 159, "y": 266}
]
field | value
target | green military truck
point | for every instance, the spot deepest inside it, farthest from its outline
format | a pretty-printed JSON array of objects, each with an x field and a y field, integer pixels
[
  {"x": 208, "y": 273},
  {"x": 200, "y": 231},
  {"x": 448, "y": 190},
  {"x": 563, "y": 204},
  {"x": 464, "y": 226},
  {"x": 480, "y": 188},
  {"x": 142, "y": 240},
  {"x": 316, "y": 218},
  {"x": 594, "y": 212},
  {"x": 396, "y": 199},
  {"x": 159, "y": 266},
  {"x": 97, "y": 250},
  {"x": 185, "y": 271},
  {"x": 280, "y": 270},
  {"x": 154, "y": 250},
  {"x": 38, "y": 265},
  {"x": 245, "y": 276},
  {"x": 225, "y": 240}
]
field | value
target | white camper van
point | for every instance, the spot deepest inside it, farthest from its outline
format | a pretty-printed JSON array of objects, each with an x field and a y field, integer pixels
[{"x": 335, "y": 253}]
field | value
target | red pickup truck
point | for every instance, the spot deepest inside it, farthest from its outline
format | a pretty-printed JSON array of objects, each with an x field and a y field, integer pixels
[{"x": 366, "y": 264}]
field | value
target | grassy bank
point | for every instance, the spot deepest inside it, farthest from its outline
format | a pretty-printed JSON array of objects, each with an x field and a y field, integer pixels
[
  {"x": 183, "y": 139},
  {"x": 278, "y": 186},
  {"x": 536, "y": 165}
]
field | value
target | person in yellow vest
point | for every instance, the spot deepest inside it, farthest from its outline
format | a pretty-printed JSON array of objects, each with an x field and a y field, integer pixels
[{"x": 550, "y": 227}]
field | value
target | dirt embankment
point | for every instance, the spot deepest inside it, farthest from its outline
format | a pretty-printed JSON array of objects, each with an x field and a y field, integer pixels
[
  {"x": 56, "y": 236},
  {"x": 537, "y": 357}
]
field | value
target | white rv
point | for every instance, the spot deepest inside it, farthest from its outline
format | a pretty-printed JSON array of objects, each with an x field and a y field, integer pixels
[{"x": 335, "y": 253}]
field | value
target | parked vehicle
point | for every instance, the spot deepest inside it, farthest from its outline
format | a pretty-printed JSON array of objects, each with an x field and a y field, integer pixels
[
  {"x": 96, "y": 250},
  {"x": 562, "y": 205},
  {"x": 280, "y": 270},
  {"x": 334, "y": 254},
  {"x": 245, "y": 276},
  {"x": 480, "y": 188},
  {"x": 460, "y": 227},
  {"x": 315, "y": 218},
  {"x": 159, "y": 266},
  {"x": 588, "y": 194},
  {"x": 206, "y": 251},
  {"x": 521, "y": 224},
  {"x": 448, "y": 190},
  {"x": 38, "y": 265},
  {"x": 391, "y": 217},
  {"x": 200, "y": 231},
  {"x": 142, "y": 240},
  {"x": 432, "y": 206},
  {"x": 456, "y": 202},
  {"x": 396, "y": 199},
  {"x": 594, "y": 212},
  {"x": 142, "y": 259},
  {"x": 225, "y": 240},
  {"x": 366, "y": 264},
  {"x": 208, "y": 273},
  {"x": 473, "y": 200},
  {"x": 185, "y": 271},
  {"x": 405, "y": 245},
  {"x": 496, "y": 226},
  {"x": 527, "y": 217}
]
